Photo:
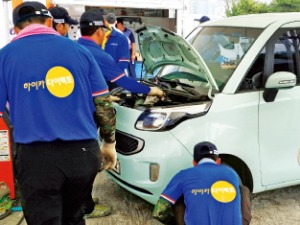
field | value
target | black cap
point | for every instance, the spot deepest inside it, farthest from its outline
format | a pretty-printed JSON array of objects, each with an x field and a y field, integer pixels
[
  {"x": 29, "y": 9},
  {"x": 203, "y": 19},
  {"x": 204, "y": 148},
  {"x": 92, "y": 18},
  {"x": 61, "y": 15}
]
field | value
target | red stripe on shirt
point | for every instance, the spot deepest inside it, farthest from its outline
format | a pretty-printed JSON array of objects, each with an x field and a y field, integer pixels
[
  {"x": 118, "y": 77},
  {"x": 100, "y": 92},
  {"x": 168, "y": 198}
]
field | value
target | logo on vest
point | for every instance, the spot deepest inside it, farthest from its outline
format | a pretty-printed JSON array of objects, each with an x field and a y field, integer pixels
[
  {"x": 223, "y": 191},
  {"x": 60, "y": 82}
]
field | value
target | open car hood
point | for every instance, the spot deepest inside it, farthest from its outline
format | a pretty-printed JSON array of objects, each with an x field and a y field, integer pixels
[{"x": 160, "y": 47}]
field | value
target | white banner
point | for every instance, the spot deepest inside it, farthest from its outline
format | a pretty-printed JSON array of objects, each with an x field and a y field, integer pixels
[{"x": 149, "y": 4}]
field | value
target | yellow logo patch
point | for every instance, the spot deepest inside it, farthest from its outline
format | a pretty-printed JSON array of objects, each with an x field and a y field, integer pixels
[
  {"x": 223, "y": 191},
  {"x": 60, "y": 82}
]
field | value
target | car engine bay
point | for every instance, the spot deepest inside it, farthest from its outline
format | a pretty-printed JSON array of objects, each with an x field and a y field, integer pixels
[{"x": 176, "y": 93}]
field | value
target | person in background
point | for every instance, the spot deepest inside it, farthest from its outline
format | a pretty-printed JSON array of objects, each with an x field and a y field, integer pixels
[
  {"x": 203, "y": 19},
  {"x": 210, "y": 191},
  {"x": 129, "y": 34},
  {"x": 54, "y": 86},
  {"x": 93, "y": 29},
  {"x": 111, "y": 19},
  {"x": 61, "y": 20},
  {"x": 116, "y": 43}
]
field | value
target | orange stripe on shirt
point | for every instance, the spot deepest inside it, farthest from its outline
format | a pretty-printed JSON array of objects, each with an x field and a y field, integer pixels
[
  {"x": 100, "y": 92},
  {"x": 118, "y": 77},
  {"x": 167, "y": 198}
]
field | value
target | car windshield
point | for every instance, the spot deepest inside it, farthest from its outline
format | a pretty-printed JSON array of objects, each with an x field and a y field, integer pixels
[{"x": 222, "y": 48}]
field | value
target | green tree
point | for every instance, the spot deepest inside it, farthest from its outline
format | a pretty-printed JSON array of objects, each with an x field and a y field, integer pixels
[
  {"x": 284, "y": 6},
  {"x": 243, "y": 7}
]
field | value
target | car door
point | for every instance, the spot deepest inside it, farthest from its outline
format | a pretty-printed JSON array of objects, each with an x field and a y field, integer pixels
[{"x": 279, "y": 120}]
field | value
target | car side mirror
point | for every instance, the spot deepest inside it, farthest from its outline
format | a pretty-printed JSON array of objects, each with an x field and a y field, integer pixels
[
  {"x": 278, "y": 80},
  {"x": 281, "y": 79}
]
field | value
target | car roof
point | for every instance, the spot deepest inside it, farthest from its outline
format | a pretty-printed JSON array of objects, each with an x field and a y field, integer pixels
[{"x": 255, "y": 20}]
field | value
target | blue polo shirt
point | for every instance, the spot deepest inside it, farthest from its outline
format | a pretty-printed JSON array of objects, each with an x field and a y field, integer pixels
[
  {"x": 117, "y": 47},
  {"x": 128, "y": 33},
  {"x": 110, "y": 69},
  {"x": 211, "y": 194},
  {"x": 49, "y": 82}
]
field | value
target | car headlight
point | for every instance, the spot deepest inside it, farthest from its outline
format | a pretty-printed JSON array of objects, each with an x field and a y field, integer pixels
[{"x": 166, "y": 119}]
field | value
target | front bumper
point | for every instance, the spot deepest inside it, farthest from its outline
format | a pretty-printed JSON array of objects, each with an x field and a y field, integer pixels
[{"x": 138, "y": 150}]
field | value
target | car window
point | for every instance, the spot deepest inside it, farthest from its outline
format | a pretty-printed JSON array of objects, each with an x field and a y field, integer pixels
[
  {"x": 285, "y": 57},
  {"x": 222, "y": 48},
  {"x": 286, "y": 52},
  {"x": 253, "y": 79}
]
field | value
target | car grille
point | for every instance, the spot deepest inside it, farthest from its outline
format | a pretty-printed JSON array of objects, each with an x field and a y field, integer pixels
[{"x": 128, "y": 144}]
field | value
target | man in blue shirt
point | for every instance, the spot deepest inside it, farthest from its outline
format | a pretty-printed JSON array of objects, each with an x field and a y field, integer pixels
[
  {"x": 52, "y": 95},
  {"x": 129, "y": 34},
  {"x": 61, "y": 20},
  {"x": 116, "y": 44},
  {"x": 92, "y": 30},
  {"x": 211, "y": 191}
]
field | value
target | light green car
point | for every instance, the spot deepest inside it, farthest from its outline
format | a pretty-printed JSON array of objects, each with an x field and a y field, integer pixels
[{"x": 233, "y": 82}]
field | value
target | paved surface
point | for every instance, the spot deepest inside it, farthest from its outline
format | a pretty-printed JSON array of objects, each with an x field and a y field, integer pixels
[{"x": 277, "y": 207}]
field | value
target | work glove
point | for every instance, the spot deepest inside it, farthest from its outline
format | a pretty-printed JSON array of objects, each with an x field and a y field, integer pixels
[
  {"x": 114, "y": 98},
  {"x": 155, "y": 91},
  {"x": 108, "y": 155},
  {"x": 151, "y": 100}
]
